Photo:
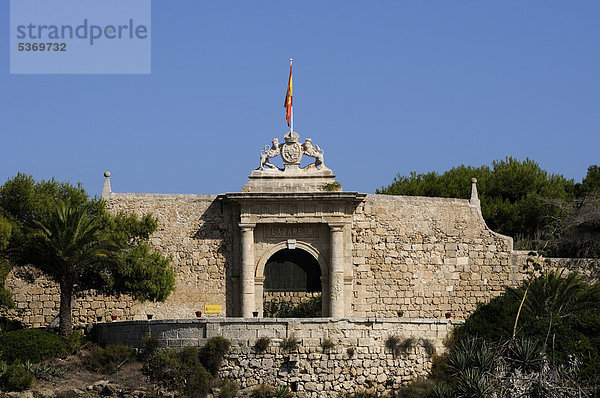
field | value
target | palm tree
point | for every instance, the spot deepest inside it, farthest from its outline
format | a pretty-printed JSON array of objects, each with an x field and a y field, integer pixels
[
  {"x": 65, "y": 246},
  {"x": 560, "y": 296}
]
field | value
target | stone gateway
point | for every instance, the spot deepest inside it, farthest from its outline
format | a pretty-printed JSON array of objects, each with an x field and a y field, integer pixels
[{"x": 384, "y": 266}]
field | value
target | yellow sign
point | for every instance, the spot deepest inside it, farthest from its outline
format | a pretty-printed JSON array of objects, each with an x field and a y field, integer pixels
[{"x": 212, "y": 309}]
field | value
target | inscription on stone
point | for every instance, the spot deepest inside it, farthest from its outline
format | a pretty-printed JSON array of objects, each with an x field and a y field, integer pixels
[{"x": 286, "y": 231}]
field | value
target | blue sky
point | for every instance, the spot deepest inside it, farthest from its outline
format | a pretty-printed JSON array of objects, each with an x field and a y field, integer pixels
[{"x": 383, "y": 87}]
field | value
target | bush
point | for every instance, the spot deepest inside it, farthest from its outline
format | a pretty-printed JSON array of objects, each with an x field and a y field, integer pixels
[
  {"x": 150, "y": 343},
  {"x": 310, "y": 308},
  {"x": 327, "y": 345},
  {"x": 263, "y": 391},
  {"x": 213, "y": 352},
  {"x": 74, "y": 341},
  {"x": 109, "y": 359},
  {"x": 228, "y": 389},
  {"x": 290, "y": 343},
  {"x": 9, "y": 325},
  {"x": 181, "y": 371},
  {"x": 31, "y": 344},
  {"x": 262, "y": 343},
  {"x": 361, "y": 394},
  {"x": 17, "y": 378}
]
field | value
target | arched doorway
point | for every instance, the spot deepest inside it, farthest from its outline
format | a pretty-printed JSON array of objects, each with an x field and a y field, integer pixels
[{"x": 292, "y": 285}]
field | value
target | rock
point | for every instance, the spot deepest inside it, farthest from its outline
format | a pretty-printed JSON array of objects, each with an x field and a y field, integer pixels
[
  {"x": 23, "y": 394},
  {"x": 110, "y": 389}
]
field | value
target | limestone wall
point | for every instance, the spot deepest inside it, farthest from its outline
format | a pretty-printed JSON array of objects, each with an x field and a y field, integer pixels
[
  {"x": 425, "y": 257},
  {"x": 422, "y": 257},
  {"x": 193, "y": 231},
  {"x": 359, "y": 358}
]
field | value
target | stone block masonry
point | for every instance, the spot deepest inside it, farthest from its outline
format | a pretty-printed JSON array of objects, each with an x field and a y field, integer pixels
[
  {"x": 359, "y": 358},
  {"x": 421, "y": 257}
]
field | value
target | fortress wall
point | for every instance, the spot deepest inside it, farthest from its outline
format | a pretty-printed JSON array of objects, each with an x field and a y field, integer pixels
[
  {"x": 315, "y": 373},
  {"x": 192, "y": 230},
  {"x": 420, "y": 256},
  {"x": 425, "y": 257}
]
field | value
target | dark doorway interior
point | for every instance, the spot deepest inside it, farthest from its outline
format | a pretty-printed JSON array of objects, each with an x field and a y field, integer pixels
[{"x": 292, "y": 270}]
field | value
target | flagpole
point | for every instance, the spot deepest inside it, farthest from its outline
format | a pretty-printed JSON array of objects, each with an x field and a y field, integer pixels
[{"x": 292, "y": 110}]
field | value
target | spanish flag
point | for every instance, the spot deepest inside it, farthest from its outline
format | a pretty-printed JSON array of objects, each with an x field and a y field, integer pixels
[{"x": 288, "y": 98}]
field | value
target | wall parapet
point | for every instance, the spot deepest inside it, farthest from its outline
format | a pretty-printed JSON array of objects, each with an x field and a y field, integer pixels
[{"x": 358, "y": 360}]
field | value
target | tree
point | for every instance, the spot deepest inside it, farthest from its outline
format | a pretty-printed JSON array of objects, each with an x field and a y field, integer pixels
[
  {"x": 517, "y": 198},
  {"x": 73, "y": 240}
]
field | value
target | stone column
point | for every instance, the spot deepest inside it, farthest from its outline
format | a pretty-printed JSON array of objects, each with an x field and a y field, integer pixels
[
  {"x": 247, "y": 274},
  {"x": 336, "y": 275}
]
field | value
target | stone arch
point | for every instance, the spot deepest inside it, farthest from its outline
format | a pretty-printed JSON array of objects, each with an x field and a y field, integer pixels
[
  {"x": 259, "y": 276},
  {"x": 307, "y": 247}
]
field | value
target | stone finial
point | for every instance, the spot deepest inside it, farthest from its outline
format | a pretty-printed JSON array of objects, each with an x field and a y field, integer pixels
[
  {"x": 474, "y": 201},
  {"x": 106, "y": 188}
]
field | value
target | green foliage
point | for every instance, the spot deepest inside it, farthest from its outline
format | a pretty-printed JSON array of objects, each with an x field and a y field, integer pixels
[
  {"x": 262, "y": 343},
  {"x": 561, "y": 313},
  {"x": 31, "y": 344},
  {"x": 213, "y": 352},
  {"x": 327, "y": 345},
  {"x": 228, "y": 389},
  {"x": 290, "y": 343},
  {"x": 17, "y": 378},
  {"x": 332, "y": 186},
  {"x": 72, "y": 239},
  {"x": 471, "y": 354},
  {"x": 263, "y": 391},
  {"x": 266, "y": 391},
  {"x": 417, "y": 388},
  {"x": 516, "y": 197},
  {"x": 361, "y": 394},
  {"x": 145, "y": 274},
  {"x": 350, "y": 351},
  {"x": 150, "y": 343},
  {"x": 74, "y": 341},
  {"x": 526, "y": 355},
  {"x": 590, "y": 185},
  {"x": 5, "y": 233},
  {"x": 310, "y": 308},
  {"x": 181, "y": 371},
  {"x": 109, "y": 359},
  {"x": 44, "y": 372},
  {"x": 9, "y": 325}
]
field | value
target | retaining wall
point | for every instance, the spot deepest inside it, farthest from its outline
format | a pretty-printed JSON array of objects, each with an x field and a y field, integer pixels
[{"x": 359, "y": 358}]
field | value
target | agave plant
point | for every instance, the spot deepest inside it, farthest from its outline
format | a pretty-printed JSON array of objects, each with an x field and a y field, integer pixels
[
  {"x": 472, "y": 354},
  {"x": 441, "y": 391},
  {"x": 527, "y": 355},
  {"x": 282, "y": 392},
  {"x": 471, "y": 383}
]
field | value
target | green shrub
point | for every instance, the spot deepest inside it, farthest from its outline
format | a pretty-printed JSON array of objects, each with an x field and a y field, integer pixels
[
  {"x": 44, "y": 372},
  {"x": 181, "y": 371},
  {"x": 165, "y": 367},
  {"x": 263, "y": 391},
  {"x": 350, "y": 351},
  {"x": 327, "y": 345},
  {"x": 17, "y": 378},
  {"x": 418, "y": 388},
  {"x": 9, "y": 325},
  {"x": 310, "y": 308},
  {"x": 31, "y": 344},
  {"x": 150, "y": 343},
  {"x": 282, "y": 392},
  {"x": 213, "y": 352},
  {"x": 290, "y": 343},
  {"x": 262, "y": 343},
  {"x": 109, "y": 359},
  {"x": 74, "y": 341},
  {"x": 361, "y": 394},
  {"x": 228, "y": 389}
]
